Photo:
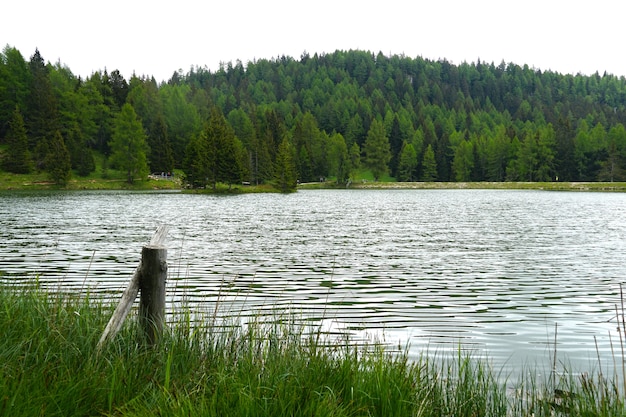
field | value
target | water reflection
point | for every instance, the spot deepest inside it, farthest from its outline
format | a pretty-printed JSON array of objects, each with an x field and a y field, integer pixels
[{"x": 492, "y": 270}]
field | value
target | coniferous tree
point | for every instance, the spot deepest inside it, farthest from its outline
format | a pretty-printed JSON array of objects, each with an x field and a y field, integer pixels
[
  {"x": 81, "y": 155},
  {"x": 422, "y": 102},
  {"x": 264, "y": 162},
  {"x": 221, "y": 158},
  {"x": 193, "y": 165},
  {"x": 565, "y": 150},
  {"x": 161, "y": 158},
  {"x": 128, "y": 144},
  {"x": 58, "y": 163},
  {"x": 17, "y": 158},
  {"x": 355, "y": 158},
  {"x": 285, "y": 175},
  {"x": 396, "y": 143},
  {"x": 407, "y": 163},
  {"x": 119, "y": 88},
  {"x": 463, "y": 162},
  {"x": 14, "y": 85},
  {"x": 429, "y": 165},
  {"x": 339, "y": 159},
  {"x": 41, "y": 115},
  {"x": 377, "y": 150}
]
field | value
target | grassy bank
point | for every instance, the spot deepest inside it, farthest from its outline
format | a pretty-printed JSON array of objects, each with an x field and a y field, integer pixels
[
  {"x": 109, "y": 179},
  {"x": 547, "y": 186},
  {"x": 49, "y": 366}
]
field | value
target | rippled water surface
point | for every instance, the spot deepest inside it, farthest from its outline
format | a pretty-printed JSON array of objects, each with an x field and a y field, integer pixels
[{"x": 493, "y": 271}]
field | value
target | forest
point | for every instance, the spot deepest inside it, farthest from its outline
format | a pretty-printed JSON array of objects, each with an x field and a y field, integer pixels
[{"x": 326, "y": 117}]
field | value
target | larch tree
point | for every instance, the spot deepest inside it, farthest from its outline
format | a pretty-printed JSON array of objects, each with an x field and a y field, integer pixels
[
  {"x": 463, "y": 161},
  {"x": 377, "y": 149},
  {"x": 429, "y": 165},
  {"x": 129, "y": 148},
  {"x": 407, "y": 163}
]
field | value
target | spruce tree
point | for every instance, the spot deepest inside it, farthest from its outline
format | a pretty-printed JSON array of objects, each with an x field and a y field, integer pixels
[
  {"x": 17, "y": 158},
  {"x": 161, "y": 154},
  {"x": 41, "y": 115},
  {"x": 220, "y": 157},
  {"x": 58, "y": 163},
  {"x": 285, "y": 175}
]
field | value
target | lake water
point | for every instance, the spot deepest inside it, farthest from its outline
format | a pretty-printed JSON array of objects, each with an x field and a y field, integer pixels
[{"x": 492, "y": 271}]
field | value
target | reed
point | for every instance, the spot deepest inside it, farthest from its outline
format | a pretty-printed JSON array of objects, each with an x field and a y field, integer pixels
[{"x": 270, "y": 366}]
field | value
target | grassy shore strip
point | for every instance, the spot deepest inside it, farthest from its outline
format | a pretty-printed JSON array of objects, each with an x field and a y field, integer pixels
[
  {"x": 49, "y": 366},
  {"x": 548, "y": 186}
]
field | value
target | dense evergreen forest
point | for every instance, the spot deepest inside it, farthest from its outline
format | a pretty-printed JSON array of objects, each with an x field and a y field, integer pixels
[{"x": 325, "y": 116}]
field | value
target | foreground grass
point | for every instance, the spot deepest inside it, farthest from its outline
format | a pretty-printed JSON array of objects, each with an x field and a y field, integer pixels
[{"x": 49, "y": 365}]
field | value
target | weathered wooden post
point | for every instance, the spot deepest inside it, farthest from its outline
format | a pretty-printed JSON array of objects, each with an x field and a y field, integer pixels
[
  {"x": 149, "y": 278},
  {"x": 152, "y": 287}
]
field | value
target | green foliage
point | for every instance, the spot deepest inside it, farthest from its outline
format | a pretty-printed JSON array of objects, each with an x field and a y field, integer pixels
[
  {"x": 161, "y": 158},
  {"x": 17, "y": 158},
  {"x": 407, "y": 164},
  {"x": 463, "y": 162},
  {"x": 285, "y": 173},
  {"x": 41, "y": 114},
  {"x": 58, "y": 163},
  {"x": 128, "y": 144},
  {"x": 339, "y": 161},
  {"x": 429, "y": 165},
  {"x": 377, "y": 150},
  {"x": 81, "y": 155},
  {"x": 14, "y": 85},
  {"x": 522, "y": 123}
]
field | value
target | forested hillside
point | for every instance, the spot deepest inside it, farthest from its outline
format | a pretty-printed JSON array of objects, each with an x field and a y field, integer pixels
[{"x": 315, "y": 117}]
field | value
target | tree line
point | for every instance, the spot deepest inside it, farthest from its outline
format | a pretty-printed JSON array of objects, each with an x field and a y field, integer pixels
[{"x": 324, "y": 116}]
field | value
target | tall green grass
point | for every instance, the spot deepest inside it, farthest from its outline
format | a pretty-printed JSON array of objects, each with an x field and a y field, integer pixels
[{"x": 273, "y": 366}]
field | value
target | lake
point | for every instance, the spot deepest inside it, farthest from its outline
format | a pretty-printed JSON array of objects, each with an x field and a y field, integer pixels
[{"x": 492, "y": 271}]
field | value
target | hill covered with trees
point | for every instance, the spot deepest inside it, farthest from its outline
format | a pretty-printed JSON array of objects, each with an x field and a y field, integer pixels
[{"x": 323, "y": 116}]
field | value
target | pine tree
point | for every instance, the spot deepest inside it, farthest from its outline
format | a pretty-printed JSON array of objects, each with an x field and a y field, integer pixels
[{"x": 17, "y": 158}]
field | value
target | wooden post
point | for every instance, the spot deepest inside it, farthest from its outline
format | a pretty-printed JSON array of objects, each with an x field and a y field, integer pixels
[
  {"x": 150, "y": 277},
  {"x": 122, "y": 309},
  {"x": 152, "y": 286}
]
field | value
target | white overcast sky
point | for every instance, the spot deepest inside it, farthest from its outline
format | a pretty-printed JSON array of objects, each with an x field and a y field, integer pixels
[{"x": 157, "y": 37}]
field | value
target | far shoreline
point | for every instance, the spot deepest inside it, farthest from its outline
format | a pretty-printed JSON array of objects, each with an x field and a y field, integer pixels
[
  {"x": 22, "y": 183},
  {"x": 546, "y": 186}
]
